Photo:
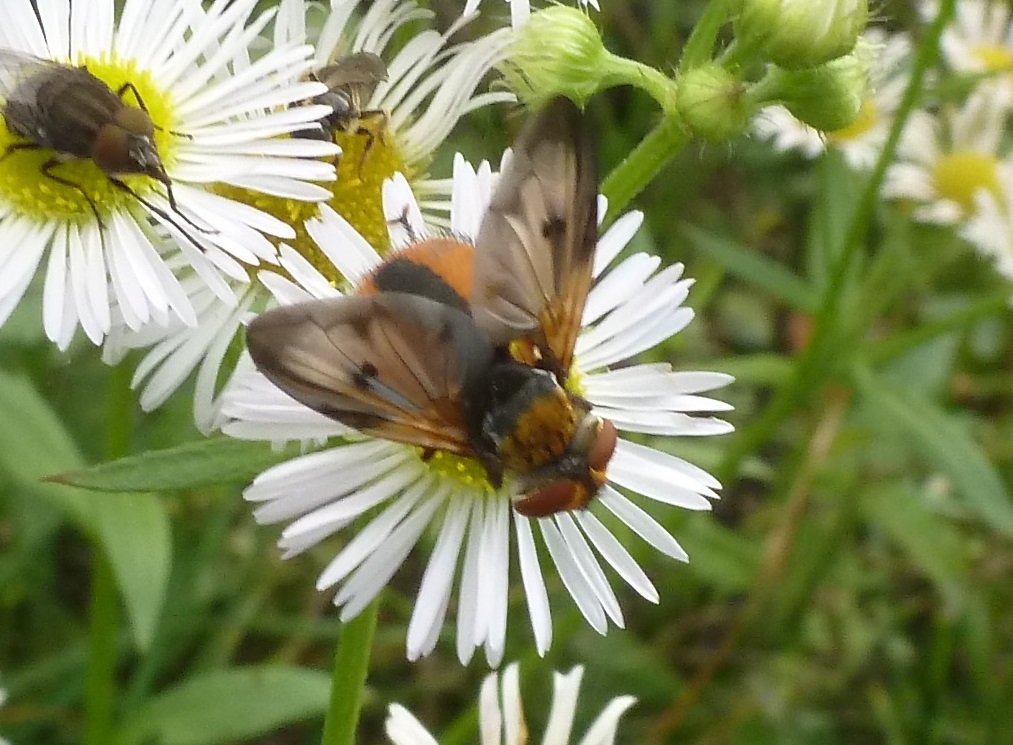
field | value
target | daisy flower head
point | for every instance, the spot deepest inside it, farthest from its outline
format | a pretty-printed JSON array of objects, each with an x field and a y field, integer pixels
[
  {"x": 944, "y": 159},
  {"x": 861, "y": 142},
  {"x": 111, "y": 213},
  {"x": 407, "y": 111},
  {"x": 423, "y": 86},
  {"x": 990, "y": 229},
  {"x": 979, "y": 40},
  {"x": 397, "y": 492},
  {"x": 501, "y": 714}
]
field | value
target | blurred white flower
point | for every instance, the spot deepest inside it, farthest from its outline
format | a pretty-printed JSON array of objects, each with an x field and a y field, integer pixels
[
  {"x": 990, "y": 229},
  {"x": 501, "y": 715},
  {"x": 945, "y": 159},
  {"x": 979, "y": 40}
]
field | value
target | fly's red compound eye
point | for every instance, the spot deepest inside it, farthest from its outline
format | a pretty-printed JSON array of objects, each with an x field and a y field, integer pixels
[
  {"x": 559, "y": 496},
  {"x": 601, "y": 452}
]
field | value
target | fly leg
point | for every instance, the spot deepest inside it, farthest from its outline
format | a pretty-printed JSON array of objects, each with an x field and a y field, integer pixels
[
  {"x": 47, "y": 170},
  {"x": 128, "y": 86},
  {"x": 372, "y": 132},
  {"x": 163, "y": 214}
]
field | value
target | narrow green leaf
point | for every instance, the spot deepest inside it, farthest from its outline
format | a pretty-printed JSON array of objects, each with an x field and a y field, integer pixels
[
  {"x": 840, "y": 189},
  {"x": 227, "y": 706},
  {"x": 133, "y": 529},
  {"x": 945, "y": 444},
  {"x": 754, "y": 269},
  {"x": 137, "y": 536},
  {"x": 220, "y": 460},
  {"x": 932, "y": 543},
  {"x": 33, "y": 443}
]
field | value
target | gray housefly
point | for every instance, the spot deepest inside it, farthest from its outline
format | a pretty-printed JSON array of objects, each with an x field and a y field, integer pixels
[
  {"x": 351, "y": 81},
  {"x": 66, "y": 109}
]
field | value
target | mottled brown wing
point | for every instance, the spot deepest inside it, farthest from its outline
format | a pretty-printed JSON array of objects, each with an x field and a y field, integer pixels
[
  {"x": 392, "y": 365},
  {"x": 535, "y": 248},
  {"x": 362, "y": 70}
]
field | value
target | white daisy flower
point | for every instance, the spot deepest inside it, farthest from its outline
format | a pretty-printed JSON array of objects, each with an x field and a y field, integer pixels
[
  {"x": 943, "y": 160},
  {"x": 520, "y": 10},
  {"x": 430, "y": 85},
  {"x": 862, "y": 141},
  {"x": 979, "y": 40},
  {"x": 501, "y": 714},
  {"x": 990, "y": 229},
  {"x": 399, "y": 492},
  {"x": 105, "y": 248}
]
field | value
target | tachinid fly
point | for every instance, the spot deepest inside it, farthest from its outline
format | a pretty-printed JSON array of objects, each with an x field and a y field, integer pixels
[{"x": 467, "y": 349}]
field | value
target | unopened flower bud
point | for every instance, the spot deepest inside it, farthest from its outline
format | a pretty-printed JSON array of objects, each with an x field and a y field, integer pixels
[
  {"x": 830, "y": 96},
  {"x": 713, "y": 102},
  {"x": 796, "y": 34},
  {"x": 557, "y": 51}
]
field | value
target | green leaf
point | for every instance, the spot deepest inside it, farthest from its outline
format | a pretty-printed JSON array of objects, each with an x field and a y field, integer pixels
[
  {"x": 227, "y": 706},
  {"x": 754, "y": 269},
  {"x": 931, "y": 542},
  {"x": 220, "y": 460},
  {"x": 840, "y": 189},
  {"x": 33, "y": 443},
  {"x": 945, "y": 445},
  {"x": 133, "y": 530}
]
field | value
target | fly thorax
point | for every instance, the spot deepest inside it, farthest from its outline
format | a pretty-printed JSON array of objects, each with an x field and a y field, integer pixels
[
  {"x": 529, "y": 420},
  {"x": 343, "y": 108}
]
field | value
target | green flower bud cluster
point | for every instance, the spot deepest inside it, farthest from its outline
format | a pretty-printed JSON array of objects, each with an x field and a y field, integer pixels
[{"x": 801, "y": 53}]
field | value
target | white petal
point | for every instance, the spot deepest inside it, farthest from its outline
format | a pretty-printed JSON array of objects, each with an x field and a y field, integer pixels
[{"x": 434, "y": 590}]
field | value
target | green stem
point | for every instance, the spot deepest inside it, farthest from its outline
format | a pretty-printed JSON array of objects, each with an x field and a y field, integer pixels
[
  {"x": 623, "y": 71},
  {"x": 348, "y": 678},
  {"x": 100, "y": 685},
  {"x": 640, "y": 167},
  {"x": 817, "y": 362}
]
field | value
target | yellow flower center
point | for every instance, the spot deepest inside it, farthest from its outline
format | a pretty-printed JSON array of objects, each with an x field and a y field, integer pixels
[
  {"x": 465, "y": 471},
  {"x": 29, "y": 191},
  {"x": 867, "y": 117},
  {"x": 995, "y": 58},
  {"x": 356, "y": 196},
  {"x": 959, "y": 175}
]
